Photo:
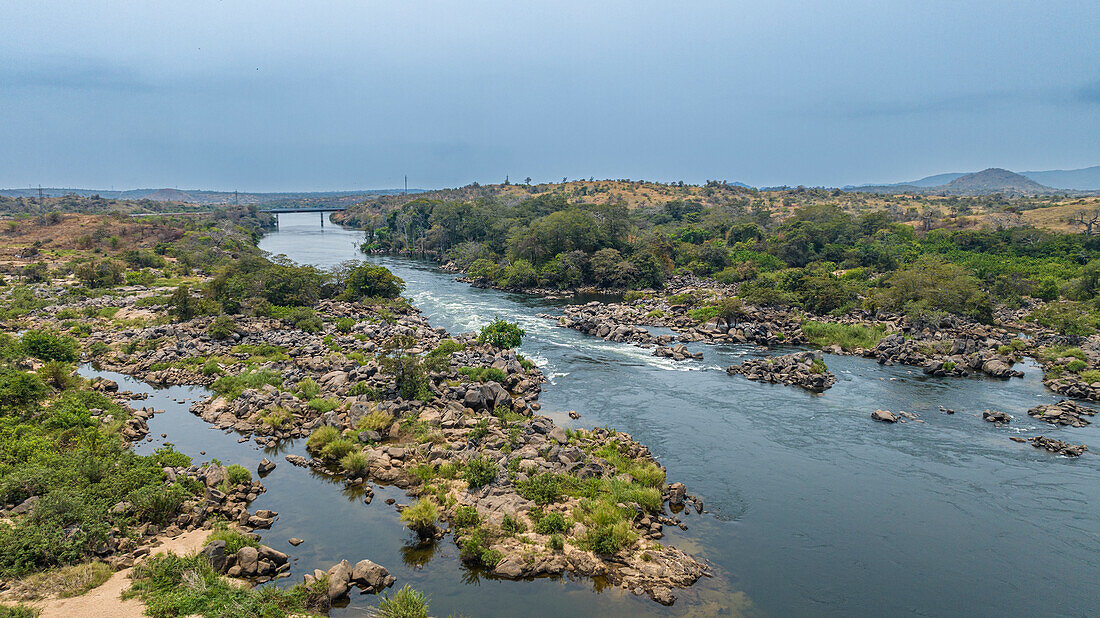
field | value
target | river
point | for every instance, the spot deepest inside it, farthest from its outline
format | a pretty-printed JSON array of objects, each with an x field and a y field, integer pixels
[{"x": 814, "y": 509}]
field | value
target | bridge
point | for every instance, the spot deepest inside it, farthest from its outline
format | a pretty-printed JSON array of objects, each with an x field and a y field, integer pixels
[{"x": 287, "y": 211}]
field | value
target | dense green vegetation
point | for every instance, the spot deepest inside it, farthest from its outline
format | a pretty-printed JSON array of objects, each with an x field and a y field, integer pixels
[
  {"x": 60, "y": 446},
  {"x": 822, "y": 258}
]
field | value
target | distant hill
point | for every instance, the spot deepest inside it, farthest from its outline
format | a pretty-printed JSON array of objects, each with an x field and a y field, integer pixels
[
  {"x": 1085, "y": 179},
  {"x": 935, "y": 181},
  {"x": 993, "y": 180}
]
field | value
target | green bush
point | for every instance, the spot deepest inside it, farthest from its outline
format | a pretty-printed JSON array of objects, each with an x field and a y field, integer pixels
[
  {"x": 466, "y": 517},
  {"x": 557, "y": 542},
  {"x": 480, "y": 471},
  {"x": 405, "y": 603},
  {"x": 234, "y": 540},
  {"x": 19, "y": 390},
  {"x": 237, "y": 474},
  {"x": 552, "y": 523},
  {"x": 345, "y": 325},
  {"x": 542, "y": 488},
  {"x": 354, "y": 463},
  {"x": 420, "y": 517},
  {"x": 222, "y": 327},
  {"x": 338, "y": 448},
  {"x": 363, "y": 388},
  {"x": 501, "y": 334},
  {"x": 1076, "y": 365},
  {"x": 50, "y": 346},
  {"x": 321, "y": 437}
]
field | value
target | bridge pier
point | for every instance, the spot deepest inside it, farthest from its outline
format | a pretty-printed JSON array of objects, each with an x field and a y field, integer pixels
[{"x": 322, "y": 218}]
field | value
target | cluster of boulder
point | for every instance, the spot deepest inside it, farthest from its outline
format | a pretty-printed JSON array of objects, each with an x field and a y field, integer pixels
[
  {"x": 804, "y": 369},
  {"x": 258, "y": 564},
  {"x": 339, "y": 578},
  {"x": 1058, "y": 446},
  {"x": 678, "y": 352},
  {"x": 1064, "y": 412},
  {"x": 945, "y": 356}
]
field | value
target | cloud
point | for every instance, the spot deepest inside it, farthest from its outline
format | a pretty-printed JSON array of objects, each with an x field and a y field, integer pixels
[
  {"x": 75, "y": 73},
  {"x": 1089, "y": 93}
]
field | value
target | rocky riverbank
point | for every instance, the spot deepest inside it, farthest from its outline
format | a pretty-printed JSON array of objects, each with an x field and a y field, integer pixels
[{"x": 465, "y": 437}]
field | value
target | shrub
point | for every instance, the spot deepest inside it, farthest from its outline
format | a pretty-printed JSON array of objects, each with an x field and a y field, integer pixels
[
  {"x": 323, "y": 405},
  {"x": 172, "y": 585},
  {"x": 234, "y": 540},
  {"x": 222, "y": 327},
  {"x": 363, "y": 388},
  {"x": 557, "y": 542},
  {"x": 339, "y": 447},
  {"x": 19, "y": 390},
  {"x": 511, "y": 525},
  {"x": 377, "y": 420},
  {"x": 480, "y": 471},
  {"x": 50, "y": 346},
  {"x": 543, "y": 488},
  {"x": 405, "y": 603},
  {"x": 1076, "y": 365},
  {"x": 466, "y": 517},
  {"x": 501, "y": 334},
  {"x": 420, "y": 517},
  {"x": 57, "y": 374},
  {"x": 552, "y": 523},
  {"x": 480, "y": 430},
  {"x": 476, "y": 549},
  {"x": 321, "y": 437},
  {"x": 237, "y": 474},
  {"x": 354, "y": 463}
]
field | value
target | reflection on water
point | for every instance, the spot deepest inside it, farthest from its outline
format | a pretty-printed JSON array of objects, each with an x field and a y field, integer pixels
[{"x": 813, "y": 508}]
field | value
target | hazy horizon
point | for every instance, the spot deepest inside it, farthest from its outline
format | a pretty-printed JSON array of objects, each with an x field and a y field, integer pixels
[{"x": 269, "y": 97}]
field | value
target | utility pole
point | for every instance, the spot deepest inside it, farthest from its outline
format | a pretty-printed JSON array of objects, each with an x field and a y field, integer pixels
[
  {"x": 406, "y": 192},
  {"x": 236, "y": 199},
  {"x": 40, "y": 198}
]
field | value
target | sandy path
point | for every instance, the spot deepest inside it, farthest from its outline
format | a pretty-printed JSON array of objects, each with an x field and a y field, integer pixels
[{"x": 104, "y": 601}]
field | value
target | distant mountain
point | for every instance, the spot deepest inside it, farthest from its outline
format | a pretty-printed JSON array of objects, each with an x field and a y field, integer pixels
[
  {"x": 934, "y": 181},
  {"x": 993, "y": 180},
  {"x": 169, "y": 195},
  {"x": 1085, "y": 179}
]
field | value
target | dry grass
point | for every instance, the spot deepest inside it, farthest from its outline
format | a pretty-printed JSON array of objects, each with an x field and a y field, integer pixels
[{"x": 61, "y": 583}]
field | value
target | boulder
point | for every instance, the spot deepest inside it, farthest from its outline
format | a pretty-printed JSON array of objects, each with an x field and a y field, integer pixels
[
  {"x": 885, "y": 416},
  {"x": 339, "y": 577},
  {"x": 248, "y": 559},
  {"x": 214, "y": 551},
  {"x": 265, "y": 466},
  {"x": 371, "y": 576}
]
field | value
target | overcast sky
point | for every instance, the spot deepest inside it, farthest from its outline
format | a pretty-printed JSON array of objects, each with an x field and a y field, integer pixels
[{"x": 331, "y": 95}]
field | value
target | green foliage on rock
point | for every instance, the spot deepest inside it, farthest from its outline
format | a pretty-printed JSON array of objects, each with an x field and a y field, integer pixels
[{"x": 501, "y": 334}]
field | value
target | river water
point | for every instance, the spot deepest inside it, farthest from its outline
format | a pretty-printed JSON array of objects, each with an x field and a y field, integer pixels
[{"x": 814, "y": 509}]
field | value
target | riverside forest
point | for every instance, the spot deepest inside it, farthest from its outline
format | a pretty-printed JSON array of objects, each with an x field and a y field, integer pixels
[{"x": 613, "y": 397}]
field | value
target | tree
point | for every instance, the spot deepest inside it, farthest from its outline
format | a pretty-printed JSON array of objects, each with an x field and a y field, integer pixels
[
  {"x": 502, "y": 334},
  {"x": 181, "y": 305},
  {"x": 370, "y": 281}
]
